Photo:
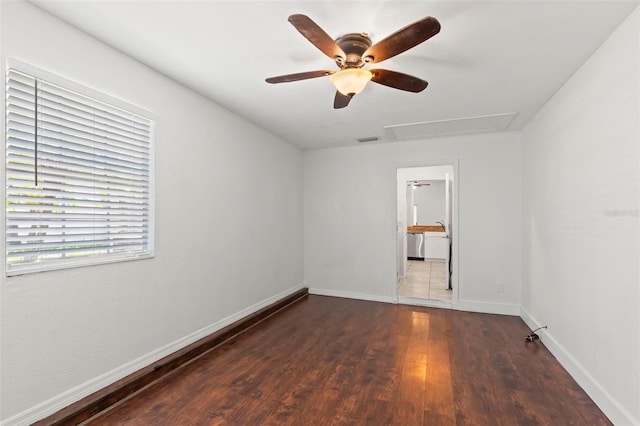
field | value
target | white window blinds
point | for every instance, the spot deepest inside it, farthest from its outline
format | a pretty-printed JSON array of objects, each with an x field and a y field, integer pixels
[{"x": 77, "y": 178}]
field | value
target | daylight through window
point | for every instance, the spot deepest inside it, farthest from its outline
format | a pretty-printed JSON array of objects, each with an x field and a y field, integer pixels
[{"x": 77, "y": 176}]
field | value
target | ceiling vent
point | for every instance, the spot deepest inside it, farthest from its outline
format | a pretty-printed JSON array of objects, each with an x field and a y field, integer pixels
[
  {"x": 369, "y": 139},
  {"x": 456, "y": 126}
]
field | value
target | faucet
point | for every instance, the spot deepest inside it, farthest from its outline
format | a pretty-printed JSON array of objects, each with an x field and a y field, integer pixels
[{"x": 439, "y": 222}]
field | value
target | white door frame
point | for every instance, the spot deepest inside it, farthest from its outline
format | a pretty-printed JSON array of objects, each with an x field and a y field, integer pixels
[{"x": 419, "y": 171}]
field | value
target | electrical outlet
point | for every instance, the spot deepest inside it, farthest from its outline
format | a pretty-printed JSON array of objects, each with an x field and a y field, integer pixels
[{"x": 499, "y": 287}]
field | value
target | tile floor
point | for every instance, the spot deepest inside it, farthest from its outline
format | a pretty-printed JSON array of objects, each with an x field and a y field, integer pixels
[{"x": 425, "y": 280}]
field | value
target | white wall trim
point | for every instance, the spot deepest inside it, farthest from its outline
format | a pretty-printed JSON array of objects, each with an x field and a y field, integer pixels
[
  {"x": 469, "y": 306},
  {"x": 430, "y": 303},
  {"x": 58, "y": 402},
  {"x": 603, "y": 399},
  {"x": 349, "y": 295},
  {"x": 487, "y": 307}
]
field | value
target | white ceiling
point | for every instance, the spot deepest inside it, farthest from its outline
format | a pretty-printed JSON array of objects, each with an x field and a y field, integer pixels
[{"x": 490, "y": 58}]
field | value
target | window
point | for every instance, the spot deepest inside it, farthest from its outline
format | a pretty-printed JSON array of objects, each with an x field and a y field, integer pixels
[{"x": 78, "y": 176}]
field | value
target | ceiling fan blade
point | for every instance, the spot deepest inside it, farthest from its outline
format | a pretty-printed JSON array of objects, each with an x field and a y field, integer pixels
[
  {"x": 316, "y": 35},
  {"x": 341, "y": 100},
  {"x": 298, "y": 76},
  {"x": 398, "y": 80},
  {"x": 403, "y": 39}
]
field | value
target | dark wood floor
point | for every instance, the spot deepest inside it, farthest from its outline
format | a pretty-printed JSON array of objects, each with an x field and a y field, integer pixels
[{"x": 333, "y": 361}]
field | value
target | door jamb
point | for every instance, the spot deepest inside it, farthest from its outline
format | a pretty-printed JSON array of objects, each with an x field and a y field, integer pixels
[{"x": 455, "y": 282}]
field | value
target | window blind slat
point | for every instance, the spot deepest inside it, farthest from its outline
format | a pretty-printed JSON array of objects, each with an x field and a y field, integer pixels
[
  {"x": 25, "y": 195},
  {"x": 73, "y": 125},
  {"x": 79, "y": 102},
  {"x": 91, "y": 199},
  {"x": 90, "y": 144},
  {"x": 24, "y": 256},
  {"x": 82, "y": 137},
  {"x": 24, "y": 179},
  {"x": 57, "y": 160},
  {"x": 56, "y": 222},
  {"x": 57, "y": 112}
]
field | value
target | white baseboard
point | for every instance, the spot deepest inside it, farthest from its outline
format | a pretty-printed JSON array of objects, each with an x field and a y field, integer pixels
[
  {"x": 424, "y": 302},
  {"x": 466, "y": 305},
  {"x": 487, "y": 307},
  {"x": 609, "y": 406},
  {"x": 349, "y": 295},
  {"x": 470, "y": 306},
  {"x": 58, "y": 402}
]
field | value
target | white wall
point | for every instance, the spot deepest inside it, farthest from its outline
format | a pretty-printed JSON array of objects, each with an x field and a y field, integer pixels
[
  {"x": 430, "y": 201},
  {"x": 350, "y": 217},
  {"x": 68, "y": 332},
  {"x": 581, "y": 234},
  {"x": 411, "y": 217},
  {"x": 418, "y": 173}
]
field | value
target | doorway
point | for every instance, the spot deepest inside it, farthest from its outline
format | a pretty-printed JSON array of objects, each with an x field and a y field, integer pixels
[{"x": 426, "y": 243}]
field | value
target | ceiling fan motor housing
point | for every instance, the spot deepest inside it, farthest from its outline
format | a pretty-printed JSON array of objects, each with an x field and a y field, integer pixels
[{"x": 353, "y": 45}]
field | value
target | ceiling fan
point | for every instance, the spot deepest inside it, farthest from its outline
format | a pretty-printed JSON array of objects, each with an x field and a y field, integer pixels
[{"x": 352, "y": 52}]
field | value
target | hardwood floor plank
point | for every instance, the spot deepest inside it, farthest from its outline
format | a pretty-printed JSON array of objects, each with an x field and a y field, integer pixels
[
  {"x": 439, "y": 404},
  {"x": 409, "y": 398},
  {"x": 333, "y": 361}
]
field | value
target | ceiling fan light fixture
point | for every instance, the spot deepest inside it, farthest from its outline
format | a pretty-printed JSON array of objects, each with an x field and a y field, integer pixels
[{"x": 350, "y": 81}]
